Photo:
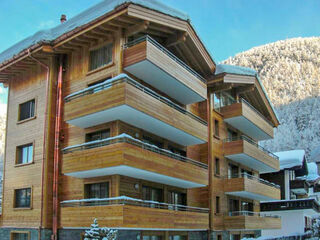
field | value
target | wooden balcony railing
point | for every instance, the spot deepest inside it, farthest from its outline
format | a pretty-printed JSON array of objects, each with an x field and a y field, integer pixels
[
  {"x": 165, "y": 51},
  {"x": 123, "y": 78},
  {"x": 124, "y": 138}
]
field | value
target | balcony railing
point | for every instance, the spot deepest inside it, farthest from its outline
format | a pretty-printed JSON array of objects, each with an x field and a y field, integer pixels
[
  {"x": 123, "y": 78},
  {"x": 249, "y": 213},
  {"x": 231, "y": 101},
  {"x": 124, "y": 138},
  {"x": 123, "y": 200},
  {"x": 245, "y": 138},
  {"x": 294, "y": 204},
  {"x": 254, "y": 178},
  {"x": 165, "y": 51}
]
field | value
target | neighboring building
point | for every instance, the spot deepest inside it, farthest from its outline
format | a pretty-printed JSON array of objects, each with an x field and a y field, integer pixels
[
  {"x": 299, "y": 205},
  {"x": 121, "y": 114}
]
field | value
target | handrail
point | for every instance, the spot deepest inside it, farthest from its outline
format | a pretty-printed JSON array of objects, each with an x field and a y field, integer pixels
[
  {"x": 164, "y": 50},
  {"x": 249, "y": 213},
  {"x": 123, "y": 78},
  {"x": 124, "y": 138},
  {"x": 123, "y": 200},
  {"x": 254, "y": 178},
  {"x": 282, "y": 205},
  {"x": 255, "y": 110},
  {"x": 245, "y": 138}
]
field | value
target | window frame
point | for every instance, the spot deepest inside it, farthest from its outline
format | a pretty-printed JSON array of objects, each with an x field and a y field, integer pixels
[
  {"x": 216, "y": 129},
  {"x": 217, "y": 207},
  {"x": 18, "y": 154},
  {"x": 31, "y": 198},
  {"x": 34, "y": 114},
  {"x": 87, "y": 134},
  {"x": 217, "y": 170},
  {"x": 17, "y": 232},
  {"x": 111, "y": 63},
  {"x": 85, "y": 194}
]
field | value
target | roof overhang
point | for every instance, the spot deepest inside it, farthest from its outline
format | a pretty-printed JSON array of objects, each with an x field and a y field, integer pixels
[
  {"x": 126, "y": 14},
  {"x": 251, "y": 88}
]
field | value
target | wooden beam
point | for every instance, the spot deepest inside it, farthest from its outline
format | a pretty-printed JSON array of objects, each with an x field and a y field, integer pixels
[
  {"x": 162, "y": 29},
  {"x": 102, "y": 33},
  {"x": 191, "y": 56},
  {"x": 118, "y": 24},
  {"x": 109, "y": 28},
  {"x": 222, "y": 87},
  {"x": 176, "y": 39},
  {"x": 245, "y": 89},
  {"x": 137, "y": 28}
]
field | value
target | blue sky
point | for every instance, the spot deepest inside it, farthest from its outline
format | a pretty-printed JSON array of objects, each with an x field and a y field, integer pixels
[{"x": 225, "y": 26}]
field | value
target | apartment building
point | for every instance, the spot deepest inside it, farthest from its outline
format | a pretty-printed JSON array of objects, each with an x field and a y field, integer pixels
[{"x": 121, "y": 114}]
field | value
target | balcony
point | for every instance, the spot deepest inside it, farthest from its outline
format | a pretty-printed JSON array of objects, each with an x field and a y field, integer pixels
[
  {"x": 130, "y": 157},
  {"x": 122, "y": 98},
  {"x": 245, "y": 151},
  {"x": 245, "y": 220},
  {"x": 289, "y": 205},
  {"x": 299, "y": 187},
  {"x": 252, "y": 187},
  {"x": 148, "y": 60},
  {"x": 130, "y": 213},
  {"x": 248, "y": 120}
]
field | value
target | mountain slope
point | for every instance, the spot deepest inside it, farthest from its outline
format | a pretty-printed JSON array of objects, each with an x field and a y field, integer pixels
[{"x": 290, "y": 72}]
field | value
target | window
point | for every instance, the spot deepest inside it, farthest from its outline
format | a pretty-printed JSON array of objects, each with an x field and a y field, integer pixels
[
  {"x": 150, "y": 237},
  {"x": 152, "y": 194},
  {"x": 178, "y": 237},
  {"x": 217, "y": 204},
  {"x": 177, "y": 198},
  {"x": 178, "y": 151},
  {"x": 233, "y": 206},
  {"x": 99, "y": 88},
  {"x": 233, "y": 171},
  {"x": 217, "y": 166},
  {"x": 246, "y": 206},
  {"x": 232, "y": 135},
  {"x": 216, "y": 128},
  {"x": 235, "y": 237},
  {"x": 99, "y": 135},
  {"x": 26, "y": 110},
  {"x": 245, "y": 172},
  {"x": 97, "y": 190},
  {"x": 22, "y": 198},
  {"x": 219, "y": 237},
  {"x": 24, "y": 154},
  {"x": 100, "y": 57},
  {"x": 152, "y": 141},
  {"x": 20, "y": 235}
]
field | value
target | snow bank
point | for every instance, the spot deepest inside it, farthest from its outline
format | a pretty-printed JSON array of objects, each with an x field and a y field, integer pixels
[{"x": 312, "y": 172}]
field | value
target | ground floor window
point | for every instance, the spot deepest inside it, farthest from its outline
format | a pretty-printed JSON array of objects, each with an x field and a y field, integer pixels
[
  {"x": 178, "y": 237},
  {"x": 235, "y": 237},
  {"x": 20, "y": 236}
]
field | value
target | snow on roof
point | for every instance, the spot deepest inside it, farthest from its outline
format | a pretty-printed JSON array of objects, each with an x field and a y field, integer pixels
[
  {"x": 312, "y": 172},
  {"x": 83, "y": 18},
  {"x": 290, "y": 159},
  {"x": 239, "y": 70},
  {"x": 232, "y": 69}
]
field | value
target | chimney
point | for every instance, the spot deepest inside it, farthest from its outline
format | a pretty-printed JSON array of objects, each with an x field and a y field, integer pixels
[{"x": 63, "y": 18}]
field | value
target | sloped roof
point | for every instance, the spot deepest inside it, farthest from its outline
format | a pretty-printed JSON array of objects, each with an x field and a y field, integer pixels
[
  {"x": 239, "y": 70},
  {"x": 232, "y": 69},
  {"x": 106, "y": 6},
  {"x": 290, "y": 159}
]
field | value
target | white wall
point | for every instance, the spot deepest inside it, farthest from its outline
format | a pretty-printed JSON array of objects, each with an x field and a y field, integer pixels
[{"x": 292, "y": 222}]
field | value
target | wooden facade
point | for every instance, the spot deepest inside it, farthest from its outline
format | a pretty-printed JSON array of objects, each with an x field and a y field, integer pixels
[{"x": 201, "y": 129}]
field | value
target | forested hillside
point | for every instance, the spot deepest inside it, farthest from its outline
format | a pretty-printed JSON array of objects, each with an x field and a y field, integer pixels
[{"x": 290, "y": 72}]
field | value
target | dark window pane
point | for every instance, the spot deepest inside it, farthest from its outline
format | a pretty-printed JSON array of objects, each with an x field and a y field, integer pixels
[
  {"x": 26, "y": 110},
  {"x": 178, "y": 151},
  {"x": 23, "y": 198},
  {"x": 100, "y": 57},
  {"x": 20, "y": 236},
  {"x": 152, "y": 141},
  {"x": 97, "y": 190},
  {"x": 152, "y": 194},
  {"x": 98, "y": 135},
  {"x": 25, "y": 154}
]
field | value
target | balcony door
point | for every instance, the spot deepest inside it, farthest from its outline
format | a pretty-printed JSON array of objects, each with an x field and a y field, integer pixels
[
  {"x": 233, "y": 171},
  {"x": 99, "y": 135},
  {"x": 152, "y": 194},
  {"x": 247, "y": 207},
  {"x": 177, "y": 198},
  {"x": 233, "y": 206},
  {"x": 97, "y": 190}
]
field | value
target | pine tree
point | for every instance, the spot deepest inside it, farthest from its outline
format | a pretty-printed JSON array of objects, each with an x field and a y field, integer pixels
[{"x": 97, "y": 233}]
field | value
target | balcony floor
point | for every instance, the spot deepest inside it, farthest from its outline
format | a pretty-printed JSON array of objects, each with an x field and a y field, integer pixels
[{"x": 135, "y": 173}]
